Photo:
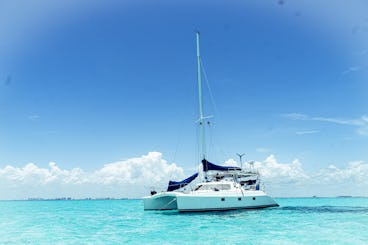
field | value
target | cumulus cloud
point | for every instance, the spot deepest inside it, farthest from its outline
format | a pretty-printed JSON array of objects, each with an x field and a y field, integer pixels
[
  {"x": 231, "y": 162},
  {"x": 129, "y": 178},
  {"x": 276, "y": 172},
  {"x": 290, "y": 179},
  {"x": 135, "y": 176},
  {"x": 354, "y": 172}
]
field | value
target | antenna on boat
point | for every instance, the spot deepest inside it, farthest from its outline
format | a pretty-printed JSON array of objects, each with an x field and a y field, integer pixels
[{"x": 240, "y": 158}]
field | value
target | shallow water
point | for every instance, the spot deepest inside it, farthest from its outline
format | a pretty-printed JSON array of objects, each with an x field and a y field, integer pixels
[{"x": 296, "y": 221}]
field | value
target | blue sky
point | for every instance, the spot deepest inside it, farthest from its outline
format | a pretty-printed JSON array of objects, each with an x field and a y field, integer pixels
[{"x": 84, "y": 83}]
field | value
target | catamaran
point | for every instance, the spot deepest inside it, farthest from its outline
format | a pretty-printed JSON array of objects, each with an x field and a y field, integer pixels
[{"x": 221, "y": 187}]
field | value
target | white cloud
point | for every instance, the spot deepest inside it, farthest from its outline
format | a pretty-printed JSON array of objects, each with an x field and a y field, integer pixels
[
  {"x": 354, "y": 172},
  {"x": 351, "y": 69},
  {"x": 290, "y": 179},
  {"x": 363, "y": 130},
  {"x": 276, "y": 172},
  {"x": 129, "y": 178},
  {"x": 352, "y": 122},
  {"x": 362, "y": 52},
  {"x": 231, "y": 162},
  {"x": 306, "y": 132},
  {"x": 296, "y": 116},
  {"x": 360, "y": 123},
  {"x": 134, "y": 177},
  {"x": 33, "y": 117}
]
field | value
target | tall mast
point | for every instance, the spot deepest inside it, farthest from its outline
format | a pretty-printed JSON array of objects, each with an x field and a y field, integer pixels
[{"x": 201, "y": 117}]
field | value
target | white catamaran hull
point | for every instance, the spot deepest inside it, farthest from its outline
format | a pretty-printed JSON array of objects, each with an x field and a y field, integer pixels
[
  {"x": 161, "y": 201},
  {"x": 198, "y": 203},
  {"x": 191, "y": 203}
]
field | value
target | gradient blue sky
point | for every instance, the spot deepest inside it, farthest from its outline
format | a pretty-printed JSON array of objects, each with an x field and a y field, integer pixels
[{"x": 84, "y": 83}]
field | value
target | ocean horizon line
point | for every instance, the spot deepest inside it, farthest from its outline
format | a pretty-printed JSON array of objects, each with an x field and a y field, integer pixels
[{"x": 128, "y": 198}]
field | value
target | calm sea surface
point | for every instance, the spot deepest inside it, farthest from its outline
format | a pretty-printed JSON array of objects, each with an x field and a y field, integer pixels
[{"x": 296, "y": 221}]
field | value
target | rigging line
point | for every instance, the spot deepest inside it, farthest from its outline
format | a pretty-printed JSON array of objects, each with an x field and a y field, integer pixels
[
  {"x": 213, "y": 102},
  {"x": 196, "y": 157},
  {"x": 212, "y": 146},
  {"x": 210, "y": 150},
  {"x": 179, "y": 140},
  {"x": 177, "y": 146},
  {"x": 180, "y": 129},
  {"x": 208, "y": 86}
]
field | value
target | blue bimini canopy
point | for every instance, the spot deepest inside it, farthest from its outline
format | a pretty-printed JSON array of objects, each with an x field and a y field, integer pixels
[
  {"x": 210, "y": 166},
  {"x": 173, "y": 185}
]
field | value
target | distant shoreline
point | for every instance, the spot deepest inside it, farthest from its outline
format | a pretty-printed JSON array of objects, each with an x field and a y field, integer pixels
[{"x": 72, "y": 199}]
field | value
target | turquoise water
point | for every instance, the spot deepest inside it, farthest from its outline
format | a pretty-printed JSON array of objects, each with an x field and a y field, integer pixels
[{"x": 296, "y": 221}]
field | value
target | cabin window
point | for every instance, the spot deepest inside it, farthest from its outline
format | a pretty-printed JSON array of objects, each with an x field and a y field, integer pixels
[
  {"x": 222, "y": 199},
  {"x": 214, "y": 187},
  {"x": 226, "y": 187},
  {"x": 239, "y": 198},
  {"x": 254, "y": 198}
]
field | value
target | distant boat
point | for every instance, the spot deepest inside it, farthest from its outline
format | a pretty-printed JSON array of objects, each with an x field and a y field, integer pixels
[{"x": 221, "y": 187}]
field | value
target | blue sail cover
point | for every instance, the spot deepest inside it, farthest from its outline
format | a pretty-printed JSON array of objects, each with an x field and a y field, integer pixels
[
  {"x": 210, "y": 166},
  {"x": 173, "y": 185}
]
